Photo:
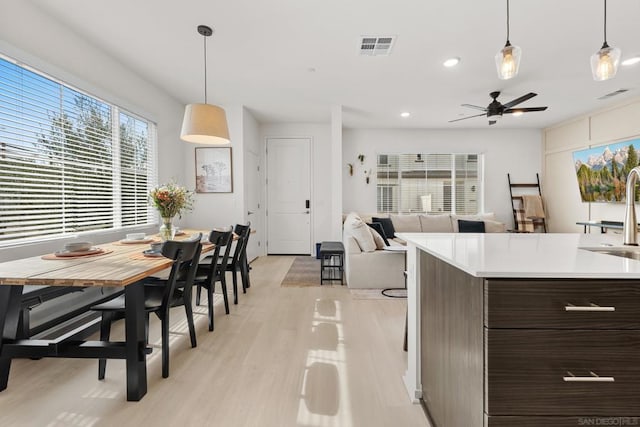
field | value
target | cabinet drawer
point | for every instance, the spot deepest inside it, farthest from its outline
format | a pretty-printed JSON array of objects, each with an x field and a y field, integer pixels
[
  {"x": 562, "y": 304},
  {"x": 549, "y": 372}
]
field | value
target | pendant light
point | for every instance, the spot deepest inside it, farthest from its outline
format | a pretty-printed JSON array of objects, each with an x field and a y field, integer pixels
[
  {"x": 508, "y": 58},
  {"x": 205, "y": 123},
  {"x": 604, "y": 63}
]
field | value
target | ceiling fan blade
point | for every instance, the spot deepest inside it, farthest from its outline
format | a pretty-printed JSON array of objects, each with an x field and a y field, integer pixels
[
  {"x": 465, "y": 118},
  {"x": 524, "y": 110},
  {"x": 519, "y": 100},
  {"x": 474, "y": 106}
]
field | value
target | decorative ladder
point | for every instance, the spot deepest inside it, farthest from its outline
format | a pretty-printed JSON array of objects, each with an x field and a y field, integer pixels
[{"x": 537, "y": 222}]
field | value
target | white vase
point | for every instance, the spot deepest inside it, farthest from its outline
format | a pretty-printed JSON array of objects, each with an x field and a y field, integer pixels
[{"x": 167, "y": 229}]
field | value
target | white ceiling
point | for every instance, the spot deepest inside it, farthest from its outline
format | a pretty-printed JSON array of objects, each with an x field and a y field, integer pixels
[{"x": 263, "y": 52}]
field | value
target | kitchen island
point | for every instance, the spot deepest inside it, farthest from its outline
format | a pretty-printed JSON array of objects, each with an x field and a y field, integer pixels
[{"x": 523, "y": 329}]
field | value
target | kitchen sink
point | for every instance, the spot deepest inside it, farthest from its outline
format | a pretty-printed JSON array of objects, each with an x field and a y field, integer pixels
[{"x": 631, "y": 252}]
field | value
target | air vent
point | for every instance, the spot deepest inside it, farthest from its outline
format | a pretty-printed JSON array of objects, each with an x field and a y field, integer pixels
[
  {"x": 614, "y": 93},
  {"x": 376, "y": 45}
]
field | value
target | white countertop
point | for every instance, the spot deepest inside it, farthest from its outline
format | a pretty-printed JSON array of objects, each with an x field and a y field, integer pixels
[{"x": 528, "y": 255}]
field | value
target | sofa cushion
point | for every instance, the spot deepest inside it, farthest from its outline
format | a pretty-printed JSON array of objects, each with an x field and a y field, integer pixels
[
  {"x": 387, "y": 226},
  {"x": 406, "y": 223},
  {"x": 436, "y": 223},
  {"x": 494, "y": 226},
  {"x": 465, "y": 226},
  {"x": 376, "y": 226},
  {"x": 355, "y": 227}
]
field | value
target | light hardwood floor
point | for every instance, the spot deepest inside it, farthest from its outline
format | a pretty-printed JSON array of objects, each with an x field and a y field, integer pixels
[{"x": 283, "y": 357}]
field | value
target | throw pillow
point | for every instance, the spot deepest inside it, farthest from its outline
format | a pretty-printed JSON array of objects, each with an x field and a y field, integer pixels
[
  {"x": 387, "y": 226},
  {"x": 355, "y": 227},
  {"x": 378, "y": 227},
  {"x": 377, "y": 238},
  {"x": 470, "y": 226}
]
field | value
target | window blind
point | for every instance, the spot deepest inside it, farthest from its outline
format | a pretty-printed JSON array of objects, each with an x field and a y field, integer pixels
[
  {"x": 431, "y": 183},
  {"x": 69, "y": 162}
]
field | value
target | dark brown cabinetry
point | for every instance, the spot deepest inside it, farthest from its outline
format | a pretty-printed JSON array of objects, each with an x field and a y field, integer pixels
[{"x": 562, "y": 352}]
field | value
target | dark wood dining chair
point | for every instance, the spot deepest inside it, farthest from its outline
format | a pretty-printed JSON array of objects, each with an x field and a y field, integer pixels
[
  {"x": 210, "y": 270},
  {"x": 237, "y": 262},
  {"x": 160, "y": 296}
]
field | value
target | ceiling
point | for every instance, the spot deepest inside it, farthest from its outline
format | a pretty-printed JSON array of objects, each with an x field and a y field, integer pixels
[{"x": 292, "y": 60}]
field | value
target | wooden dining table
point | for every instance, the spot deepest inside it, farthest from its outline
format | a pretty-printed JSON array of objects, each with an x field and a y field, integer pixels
[{"x": 122, "y": 265}]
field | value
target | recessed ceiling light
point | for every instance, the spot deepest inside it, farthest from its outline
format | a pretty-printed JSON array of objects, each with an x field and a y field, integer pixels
[
  {"x": 517, "y": 113},
  {"x": 451, "y": 62},
  {"x": 631, "y": 61},
  {"x": 405, "y": 114}
]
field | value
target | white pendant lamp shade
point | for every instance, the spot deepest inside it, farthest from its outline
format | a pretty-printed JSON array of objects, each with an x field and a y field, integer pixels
[
  {"x": 508, "y": 61},
  {"x": 204, "y": 124}
]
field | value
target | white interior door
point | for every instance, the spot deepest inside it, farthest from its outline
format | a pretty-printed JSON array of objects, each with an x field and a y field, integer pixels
[
  {"x": 289, "y": 195},
  {"x": 254, "y": 205}
]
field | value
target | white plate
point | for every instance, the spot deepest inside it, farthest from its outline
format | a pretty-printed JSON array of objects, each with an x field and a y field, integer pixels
[
  {"x": 90, "y": 251},
  {"x": 136, "y": 241}
]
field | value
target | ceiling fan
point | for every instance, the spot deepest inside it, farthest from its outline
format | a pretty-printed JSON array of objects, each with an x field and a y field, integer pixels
[{"x": 495, "y": 109}]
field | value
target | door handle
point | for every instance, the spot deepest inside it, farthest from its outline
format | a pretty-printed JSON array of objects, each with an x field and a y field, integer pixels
[
  {"x": 306, "y": 212},
  {"x": 250, "y": 212}
]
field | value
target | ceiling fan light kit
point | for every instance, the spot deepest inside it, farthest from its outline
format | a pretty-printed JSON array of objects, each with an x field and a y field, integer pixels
[
  {"x": 604, "y": 63},
  {"x": 508, "y": 58},
  {"x": 205, "y": 123}
]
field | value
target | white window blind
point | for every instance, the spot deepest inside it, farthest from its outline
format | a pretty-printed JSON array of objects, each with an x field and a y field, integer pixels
[
  {"x": 432, "y": 183},
  {"x": 69, "y": 162}
]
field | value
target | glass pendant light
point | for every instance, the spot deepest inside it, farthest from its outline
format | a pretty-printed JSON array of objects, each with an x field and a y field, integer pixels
[
  {"x": 508, "y": 58},
  {"x": 604, "y": 63},
  {"x": 205, "y": 123}
]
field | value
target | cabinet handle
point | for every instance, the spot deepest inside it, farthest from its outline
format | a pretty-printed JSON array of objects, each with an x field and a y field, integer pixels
[
  {"x": 592, "y": 378},
  {"x": 590, "y": 307}
]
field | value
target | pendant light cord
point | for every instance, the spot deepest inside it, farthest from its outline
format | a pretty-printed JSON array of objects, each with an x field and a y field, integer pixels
[
  {"x": 605, "y": 21},
  {"x": 508, "y": 20},
  {"x": 205, "y": 69}
]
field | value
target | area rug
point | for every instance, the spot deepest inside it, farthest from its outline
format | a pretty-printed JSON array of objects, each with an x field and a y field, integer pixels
[{"x": 305, "y": 271}]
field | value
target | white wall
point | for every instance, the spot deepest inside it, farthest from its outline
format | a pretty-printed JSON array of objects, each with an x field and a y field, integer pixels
[
  {"x": 254, "y": 185},
  {"x": 517, "y": 152},
  {"x": 321, "y": 202},
  {"x": 33, "y": 38},
  {"x": 614, "y": 124}
]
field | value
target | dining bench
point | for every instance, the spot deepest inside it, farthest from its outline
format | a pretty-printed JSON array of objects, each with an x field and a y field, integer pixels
[{"x": 55, "y": 309}]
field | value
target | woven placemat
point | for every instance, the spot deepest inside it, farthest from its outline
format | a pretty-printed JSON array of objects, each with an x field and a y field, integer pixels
[{"x": 54, "y": 256}]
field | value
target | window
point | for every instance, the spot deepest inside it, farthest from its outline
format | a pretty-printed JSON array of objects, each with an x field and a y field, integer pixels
[
  {"x": 69, "y": 162},
  {"x": 432, "y": 183}
]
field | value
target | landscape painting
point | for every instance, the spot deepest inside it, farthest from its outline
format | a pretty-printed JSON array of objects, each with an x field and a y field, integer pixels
[
  {"x": 213, "y": 170},
  {"x": 602, "y": 171}
]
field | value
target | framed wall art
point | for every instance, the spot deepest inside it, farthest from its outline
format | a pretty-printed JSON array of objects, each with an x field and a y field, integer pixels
[
  {"x": 602, "y": 171},
  {"x": 214, "y": 172}
]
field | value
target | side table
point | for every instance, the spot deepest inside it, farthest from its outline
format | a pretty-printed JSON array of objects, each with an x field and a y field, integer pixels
[{"x": 331, "y": 261}]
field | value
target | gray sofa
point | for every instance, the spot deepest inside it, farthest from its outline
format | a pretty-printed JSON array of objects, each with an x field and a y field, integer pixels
[{"x": 373, "y": 267}]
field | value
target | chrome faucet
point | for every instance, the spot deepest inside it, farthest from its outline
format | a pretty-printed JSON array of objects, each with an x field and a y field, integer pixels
[{"x": 630, "y": 229}]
